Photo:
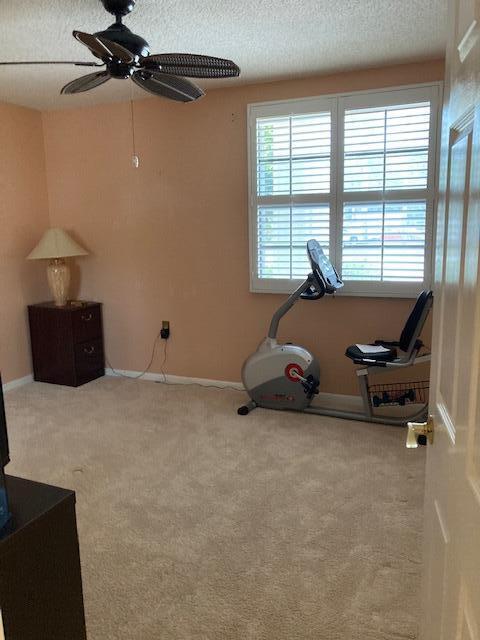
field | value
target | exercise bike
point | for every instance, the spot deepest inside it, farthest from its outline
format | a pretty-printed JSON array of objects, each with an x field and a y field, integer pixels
[{"x": 287, "y": 376}]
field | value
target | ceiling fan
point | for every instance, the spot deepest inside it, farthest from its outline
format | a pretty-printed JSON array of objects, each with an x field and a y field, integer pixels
[{"x": 124, "y": 55}]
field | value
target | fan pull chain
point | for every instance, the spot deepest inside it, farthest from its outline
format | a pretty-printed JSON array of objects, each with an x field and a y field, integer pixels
[{"x": 135, "y": 158}]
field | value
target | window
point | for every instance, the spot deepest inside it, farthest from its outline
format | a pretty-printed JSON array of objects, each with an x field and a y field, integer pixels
[{"x": 354, "y": 171}]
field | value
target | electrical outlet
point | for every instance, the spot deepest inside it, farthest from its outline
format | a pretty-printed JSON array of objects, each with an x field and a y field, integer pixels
[{"x": 165, "y": 330}]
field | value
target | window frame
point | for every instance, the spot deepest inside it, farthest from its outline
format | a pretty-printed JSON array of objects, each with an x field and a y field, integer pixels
[{"x": 337, "y": 104}]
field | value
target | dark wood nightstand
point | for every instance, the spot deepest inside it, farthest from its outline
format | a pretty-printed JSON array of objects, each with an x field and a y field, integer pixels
[{"x": 67, "y": 343}]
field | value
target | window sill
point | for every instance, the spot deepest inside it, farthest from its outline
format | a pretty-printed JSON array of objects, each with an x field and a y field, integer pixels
[{"x": 359, "y": 290}]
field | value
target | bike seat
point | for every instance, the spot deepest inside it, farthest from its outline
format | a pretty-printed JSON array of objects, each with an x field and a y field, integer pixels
[{"x": 382, "y": 355}]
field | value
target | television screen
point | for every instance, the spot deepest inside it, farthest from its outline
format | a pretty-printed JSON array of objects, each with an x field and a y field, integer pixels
[{"x": 4, "y": 452}]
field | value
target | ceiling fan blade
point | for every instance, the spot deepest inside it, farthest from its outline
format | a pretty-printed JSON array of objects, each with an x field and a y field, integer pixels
[
  {"x": 191, "y": 65},
  {"x": 103, "y": 48},
  {"x": 117, "y": 51},
  {"x": 77, "y": 64},
  {"x": 85, "y": 83},
  {"x": 93, "y": 43},
  {"x": 167, "y": 86}
]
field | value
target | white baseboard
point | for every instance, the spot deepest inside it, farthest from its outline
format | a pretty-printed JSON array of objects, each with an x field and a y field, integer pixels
[
  {"x": 159, "y": 377},
  {"x": 327, "y": 400},
  {"x": 19, "y": 382}
]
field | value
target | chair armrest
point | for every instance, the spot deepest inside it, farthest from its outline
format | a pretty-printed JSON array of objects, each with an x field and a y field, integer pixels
[
  {"x": 389, "y": 344},
  {"x": 371, "y": 363}
]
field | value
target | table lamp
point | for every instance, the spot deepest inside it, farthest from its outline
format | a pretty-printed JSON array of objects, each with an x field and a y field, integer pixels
[{"x": 56, "y": 245}]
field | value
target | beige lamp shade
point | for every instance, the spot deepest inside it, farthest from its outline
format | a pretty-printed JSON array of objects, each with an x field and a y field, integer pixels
[{"x": 56, "y": 245}]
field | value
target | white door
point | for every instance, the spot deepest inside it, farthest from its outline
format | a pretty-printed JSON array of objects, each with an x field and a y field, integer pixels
[{"x": 452, "y": 504}]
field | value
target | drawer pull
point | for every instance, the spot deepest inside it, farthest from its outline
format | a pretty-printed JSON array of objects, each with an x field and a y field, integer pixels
[
  {"x": 86, "y": 317},
  {"x": 89, "y": 350}
]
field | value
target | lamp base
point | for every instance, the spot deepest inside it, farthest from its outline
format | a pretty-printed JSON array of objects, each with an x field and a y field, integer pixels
[{"x": 58, "y": 274}]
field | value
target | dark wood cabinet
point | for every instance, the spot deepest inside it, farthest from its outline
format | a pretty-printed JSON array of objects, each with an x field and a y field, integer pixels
[
  {"x": 67, "y": 343},
  {"x": 4, "y": 449},
  {"x": 41, "y": 596}
]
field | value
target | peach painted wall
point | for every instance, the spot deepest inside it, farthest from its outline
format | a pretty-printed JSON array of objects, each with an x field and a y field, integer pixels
[
  {"x": 23, "y": 218},
  {"x": 170, "y": 240}
]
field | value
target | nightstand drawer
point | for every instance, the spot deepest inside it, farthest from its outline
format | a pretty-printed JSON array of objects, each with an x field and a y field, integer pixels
[
  {"x": 89, "y": 358},
  {"x": 87, "y": 324}
]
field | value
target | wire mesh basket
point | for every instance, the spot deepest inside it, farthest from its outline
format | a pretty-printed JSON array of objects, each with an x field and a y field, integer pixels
[{"x": 399, "y": 393}]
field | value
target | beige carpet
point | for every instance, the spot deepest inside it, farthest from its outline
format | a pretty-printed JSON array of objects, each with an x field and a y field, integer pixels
[{"x": 198, "y": 524}]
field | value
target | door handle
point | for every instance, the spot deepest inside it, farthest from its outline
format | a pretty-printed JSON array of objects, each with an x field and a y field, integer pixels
[{"x": 420, "y": 433}]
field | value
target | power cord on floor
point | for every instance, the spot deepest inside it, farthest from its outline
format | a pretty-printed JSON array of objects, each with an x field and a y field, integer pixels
[
  {"x": 163, "y": 372},
  {"x": 140, "y": 375},
  {"x": 198, "y": 384},
  {"x": 162, "y": 368}
]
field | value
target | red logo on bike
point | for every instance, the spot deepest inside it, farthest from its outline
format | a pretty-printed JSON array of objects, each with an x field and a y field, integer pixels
[{"x": 292, "y": 371}]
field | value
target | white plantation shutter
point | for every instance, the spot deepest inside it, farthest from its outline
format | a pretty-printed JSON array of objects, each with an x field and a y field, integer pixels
[
  {"x": 384, "y": 241},
  {"x": 293, "y": 155},
  {"x": 386, "y": 148},
  {"x": 355, "y": 172},
  {"x": 283, "y": 232},
  {"x": 386, "y": 203},
  {"x": 292, "y": 198}
]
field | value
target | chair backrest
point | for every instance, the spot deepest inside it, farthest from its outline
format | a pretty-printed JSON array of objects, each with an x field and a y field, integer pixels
[{"x": 414, "y": 324}]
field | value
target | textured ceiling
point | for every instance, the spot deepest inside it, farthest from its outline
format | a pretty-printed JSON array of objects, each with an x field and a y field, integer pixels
[{"x": 269, "y": 39}]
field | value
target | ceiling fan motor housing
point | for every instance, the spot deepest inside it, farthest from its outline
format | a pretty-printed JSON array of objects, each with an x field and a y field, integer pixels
[
  {"x": 119, "y": 7},
  {"x": 122, "y": 35}
]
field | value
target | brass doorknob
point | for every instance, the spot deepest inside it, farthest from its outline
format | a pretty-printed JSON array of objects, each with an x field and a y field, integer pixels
[{"x": 418, "y": 431}]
